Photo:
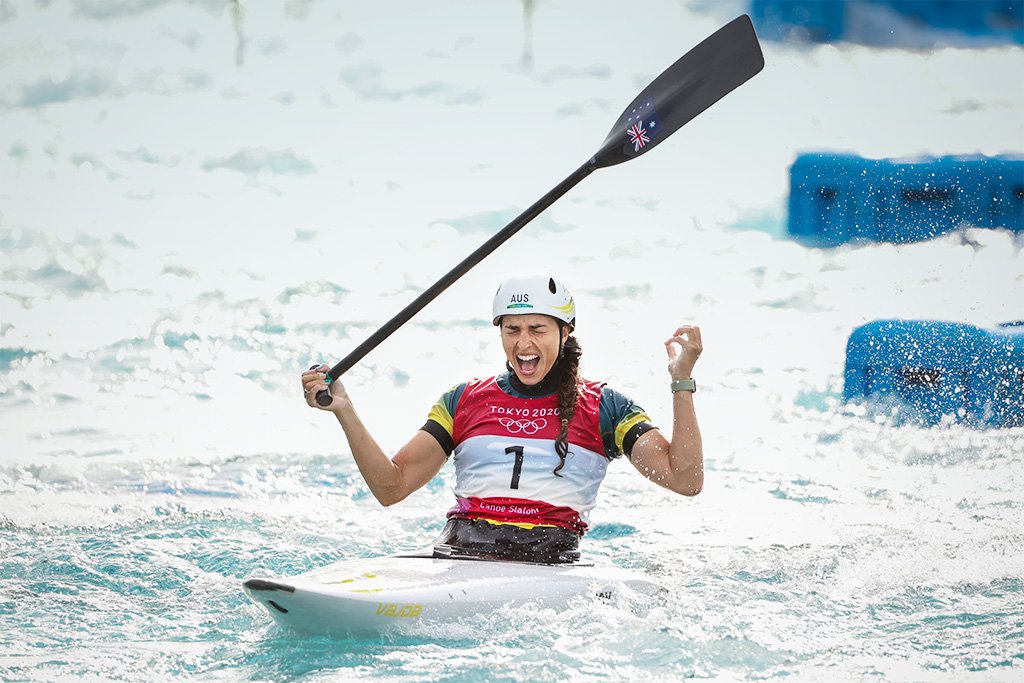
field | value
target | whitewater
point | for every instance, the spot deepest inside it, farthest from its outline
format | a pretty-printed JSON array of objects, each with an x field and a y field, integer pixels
[{"x": 199, "y": 200}]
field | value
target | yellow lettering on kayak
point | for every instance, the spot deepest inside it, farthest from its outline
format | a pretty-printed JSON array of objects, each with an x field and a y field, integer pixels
[
  {"x": 364, "y": 575},
  {"x": 390, "y": 609}
]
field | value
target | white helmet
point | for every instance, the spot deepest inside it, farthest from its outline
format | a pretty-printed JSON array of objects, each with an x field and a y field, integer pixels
[{"x": 543, "y": 295}]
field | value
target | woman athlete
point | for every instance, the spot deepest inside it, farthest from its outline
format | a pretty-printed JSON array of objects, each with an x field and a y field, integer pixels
[{"x": 531, "y": 445}]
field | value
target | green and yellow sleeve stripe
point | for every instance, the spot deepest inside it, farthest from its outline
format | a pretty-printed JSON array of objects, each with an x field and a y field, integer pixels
[
  {"x": 622, "y": 423},
  {"x": 623, "y": 429},
  {"x": 441, "y": 421}
]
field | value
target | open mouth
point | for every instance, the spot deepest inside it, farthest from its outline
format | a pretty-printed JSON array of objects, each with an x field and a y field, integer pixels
[{"x": 527, "y": 364}]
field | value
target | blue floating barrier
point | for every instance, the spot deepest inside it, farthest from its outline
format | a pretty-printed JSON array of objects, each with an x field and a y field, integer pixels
[
  {"x": 814, "y": 22},
  {"x": 997, "y": 388},
  {"x": 925, "y": 365},
  {"x": 918, "y": 201},
  {"x": 997, "y": 18},
  {"x": 1002, "y": 195},
  {"x": 828, "y": 205},
  {"x": 837, "y": 198},
  {"x": 863, "y": 21},
  {"x": 937, "y": 370}
]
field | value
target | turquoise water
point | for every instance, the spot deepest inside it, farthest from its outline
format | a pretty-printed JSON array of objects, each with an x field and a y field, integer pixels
[
  {"x": 123, "y": 573},
  {"x": 195, "y": 208}
]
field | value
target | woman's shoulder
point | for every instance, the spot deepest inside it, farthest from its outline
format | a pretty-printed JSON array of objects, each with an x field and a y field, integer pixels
[
  {"x": 474, "y": 386},
  {"x": 611, "y": 399},
  {"x": 481, "y": 382},
  {"x": 588, "y": 387}
]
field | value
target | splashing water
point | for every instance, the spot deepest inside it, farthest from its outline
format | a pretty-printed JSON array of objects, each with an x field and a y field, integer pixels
[{"x": 183, "y": 233}]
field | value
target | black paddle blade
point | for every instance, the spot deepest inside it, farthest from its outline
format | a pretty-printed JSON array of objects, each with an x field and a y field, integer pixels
[{"x": 724, "y": 61}]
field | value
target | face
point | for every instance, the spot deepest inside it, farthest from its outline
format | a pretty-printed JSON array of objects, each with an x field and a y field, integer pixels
[{"x": 531, "y": 343}]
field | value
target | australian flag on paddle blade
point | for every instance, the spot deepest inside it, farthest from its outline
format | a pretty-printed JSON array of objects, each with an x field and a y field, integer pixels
[{"x": 642, "y": 124}]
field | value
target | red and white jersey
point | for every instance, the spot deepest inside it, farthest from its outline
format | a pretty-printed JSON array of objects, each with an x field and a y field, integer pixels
[{"x": 504, "y": 445}]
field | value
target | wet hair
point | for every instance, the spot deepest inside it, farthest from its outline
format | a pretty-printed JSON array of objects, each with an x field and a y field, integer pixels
[{"x": 568, "y": 393}]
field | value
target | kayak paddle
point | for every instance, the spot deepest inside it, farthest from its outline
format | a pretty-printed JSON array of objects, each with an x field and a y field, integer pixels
[{"x": 721, "y": 63}]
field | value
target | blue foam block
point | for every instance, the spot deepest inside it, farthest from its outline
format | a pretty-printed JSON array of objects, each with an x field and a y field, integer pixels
[{"x": 939, "y": 370}]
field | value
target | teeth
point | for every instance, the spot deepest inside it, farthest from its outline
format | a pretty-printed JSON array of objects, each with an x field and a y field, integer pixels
[{"x": 527, "y": 359}]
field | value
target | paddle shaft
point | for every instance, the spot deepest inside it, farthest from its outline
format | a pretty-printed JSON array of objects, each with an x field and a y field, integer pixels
[
  {"x": 517, "y": 224},
  {"x": 698, "y": 79}
]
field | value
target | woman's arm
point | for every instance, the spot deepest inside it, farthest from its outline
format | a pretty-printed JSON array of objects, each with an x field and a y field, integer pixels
[
  {"x": 390, "y": 479},
  {"x": 677, "y": 465}
]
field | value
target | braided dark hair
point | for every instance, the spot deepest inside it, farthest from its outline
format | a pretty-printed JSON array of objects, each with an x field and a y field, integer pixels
[{"x": 568, "y": 393}]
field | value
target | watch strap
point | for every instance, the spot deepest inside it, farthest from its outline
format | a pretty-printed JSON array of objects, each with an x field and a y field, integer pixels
[{"x": 687, "y": 384}]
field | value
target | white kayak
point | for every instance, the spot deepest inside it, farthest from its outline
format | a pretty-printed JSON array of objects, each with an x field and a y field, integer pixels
[{"x": 389, "y": 593}]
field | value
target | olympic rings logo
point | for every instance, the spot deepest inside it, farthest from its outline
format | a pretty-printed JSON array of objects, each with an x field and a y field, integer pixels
[{"x": 522, "y": 426}]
